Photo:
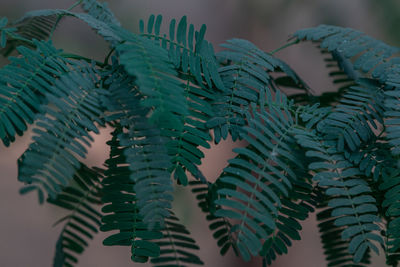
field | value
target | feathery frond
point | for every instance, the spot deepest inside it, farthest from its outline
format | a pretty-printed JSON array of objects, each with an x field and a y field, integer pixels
[
  {"x": 145, "y": 151},
  {"x": 187, "y": 49},
  {"x": 353, "y": 206},
  {"x": 123, "y": 215},
  {"x": 63, "y": 132},
  {"x": 23, "y": 84},
  {"x": 82, "y": 221},
  {"x": 177, "y": 248}
]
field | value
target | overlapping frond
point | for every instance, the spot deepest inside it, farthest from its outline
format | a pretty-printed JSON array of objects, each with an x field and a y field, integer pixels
[
  {"x": 146, "y": 151},
  {"x": 353, "y": 205},
  {"x": 187, "y": 49},
  {"x": 62, "y": 134},
  {"x": 177, "y": 248},
  {"x": 82, "y": 220},
  {"x": 369, "y": 55},
  {"x": 359, "y": 111},
  {"x": 189, "y": 53},
  {"x": 121, "y": 209},
  {"x": 23, "y": 84},
  {"x": 260, "y": 174},
  {"x": 245, "y": 75}
]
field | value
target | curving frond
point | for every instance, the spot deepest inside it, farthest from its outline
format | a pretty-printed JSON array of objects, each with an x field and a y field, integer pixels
[
  {"x": 220, "y": 226},
  {"x": 370, "y": 56},
  {"x": 100, "y": 11},
  {"x": 122, "y": 211},
  {"x": 262, "y": 172},
  {"x": 353, "y": 205},
  {"x": 110, "y": 32},
  {"x": 295, "y": 208},
  {"x": 23, "y": 85},
  {"x": 391, "y": 204},
  {"x": 187, "y": 49},
  {"x": 27, "y": 30},
  {"x": 245, "y": 75},
  {"x": 353, "y": 119},
  {"x": 145, "y": 151},
  {"x": 82, "y": 221},
  {"x": 177, "y": 248},
  {"x": 392, "y": 108},
  {"x": 188, "y": 52},
  {"x": 63, "y": 132}
]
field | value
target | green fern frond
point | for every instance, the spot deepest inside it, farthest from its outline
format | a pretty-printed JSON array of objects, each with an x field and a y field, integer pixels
[
  {"x": 62, "y": 133},
  {"x": 187, "y": 49},
  {"x": 295, "y": 208},
  {"x": 352, "y": 121},
  {"x": 353, "y": 206},
  {"x": 23, "y": 84},
  {"x": 336, "y": 249},
  {"x": 220, "y": 226},
  {"x": 119, "y": 195},
  {"x": 369, "y": 55},
  {"x": 110, "y": 32},
  {"x": 244, "y": 74},
  {"x": 100, "y": 11},
  {"x": 188, "y": 52},
  {"x": 155, "y": 78},
  {"x": 26, "y": 30},
  {"x": 392, "y": 114},
  {"x": 145, "y": 151},
  {"x": 391, "y": 204},
  {"x": 83, "y": 220},
  {"x": 261, "y": 173},
  {"x": 177, "y": 247}
]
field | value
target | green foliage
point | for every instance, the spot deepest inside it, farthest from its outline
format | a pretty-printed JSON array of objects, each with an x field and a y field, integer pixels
[
  {"x": 83, "y": 220},
  {"x": 335, "y": 154}
]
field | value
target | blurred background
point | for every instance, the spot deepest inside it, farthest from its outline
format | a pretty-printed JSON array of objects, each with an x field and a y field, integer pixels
[{"x": 27, "y": 238}]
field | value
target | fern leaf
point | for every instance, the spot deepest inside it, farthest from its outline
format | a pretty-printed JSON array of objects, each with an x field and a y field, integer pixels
[
  {"x": 83, "y": 220},
  {"x": 370, "y": 55},
  {"x": 35, "y": 28},
  {"x": 352, "y": 121},
  {"x": 62, "y": 135},
  {"x": 177, "y": 247},
  {"x": 187, "y": 49},
  {"x": 122, "y": 210},
  {"x": 220, "y": 226},
  {"x": 295, "y": 208},
  {"x": 100, "y": 11},
  {"x": 23, "y": 84},
  {"x": 191, "y": 59},
  {"x": 244, "y": 75},
  {"x": 353, "y": 206},
  {"x": 110, "y": 32},
  {"x": 392, "y": 108},
  {"x": 391, "y": 187},
  {"x": 261, "y": 173},
  {"x": 145, "y": 151}
]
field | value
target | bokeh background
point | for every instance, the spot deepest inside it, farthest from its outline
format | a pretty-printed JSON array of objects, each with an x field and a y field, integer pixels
[{"x": 27, "y": 238}]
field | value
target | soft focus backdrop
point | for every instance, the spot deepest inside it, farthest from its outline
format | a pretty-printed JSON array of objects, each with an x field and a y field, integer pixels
[{"x": 27, "y": 238}]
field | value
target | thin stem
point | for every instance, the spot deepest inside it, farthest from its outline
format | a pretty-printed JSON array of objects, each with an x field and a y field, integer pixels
[
  {"x": 108, "y": 56},
  {"x": 74, "y": 56},
  {"x": 60, "y": 16},
  {"x": 285, "y": 46}
]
